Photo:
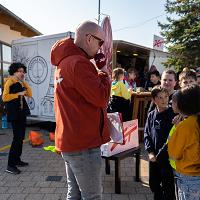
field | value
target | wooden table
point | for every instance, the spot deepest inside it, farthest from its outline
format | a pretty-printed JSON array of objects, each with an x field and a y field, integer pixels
[{"x": 134, "y": 152}]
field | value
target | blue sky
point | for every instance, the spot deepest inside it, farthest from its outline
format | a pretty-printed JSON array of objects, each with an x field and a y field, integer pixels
[{"x": 57, "y": 16}]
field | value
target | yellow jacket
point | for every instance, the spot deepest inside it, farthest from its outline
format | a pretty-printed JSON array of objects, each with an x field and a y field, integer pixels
[
  {"x": 171, "y": 161},
  {"x": 119, "y": 89},
  {"x": 184, "y": 147},
  {"x": 10, "y": 81}
]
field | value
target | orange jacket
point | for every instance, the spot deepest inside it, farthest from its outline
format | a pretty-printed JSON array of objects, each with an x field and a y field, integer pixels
[{"x": 80, "y": 99}]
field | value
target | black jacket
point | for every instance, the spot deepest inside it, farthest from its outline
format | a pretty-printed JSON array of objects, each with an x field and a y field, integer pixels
[
  {"x": 16, "y": 107},
  {"x": 157, "y": 128}
]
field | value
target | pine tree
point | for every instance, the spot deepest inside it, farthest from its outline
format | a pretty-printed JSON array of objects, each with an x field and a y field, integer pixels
[{"x": 182, "y": 33}]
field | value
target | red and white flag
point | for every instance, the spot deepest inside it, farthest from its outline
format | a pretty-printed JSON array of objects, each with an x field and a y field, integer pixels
[
  {"x": 158, "y": 43},
  {"x": 107, "y": 47}
]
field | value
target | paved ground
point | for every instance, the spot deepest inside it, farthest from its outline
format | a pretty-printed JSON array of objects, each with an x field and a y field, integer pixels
[{"x": 32, "y": 183}]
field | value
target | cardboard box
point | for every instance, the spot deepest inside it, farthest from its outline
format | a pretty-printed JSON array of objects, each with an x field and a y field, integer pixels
[{"x": 130, "y": 140}]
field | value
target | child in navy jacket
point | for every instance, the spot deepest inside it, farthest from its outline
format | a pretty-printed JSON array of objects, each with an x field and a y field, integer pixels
[{"x": 157, "y": 128}]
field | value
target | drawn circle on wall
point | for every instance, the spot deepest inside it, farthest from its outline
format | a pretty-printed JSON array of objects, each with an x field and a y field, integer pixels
[
  {"x": 31, "y": 102},
  {"x": 37, "y": 70}
]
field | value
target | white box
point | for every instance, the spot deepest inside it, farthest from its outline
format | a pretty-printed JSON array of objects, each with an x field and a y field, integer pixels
[{"x": 130, "y": 140}]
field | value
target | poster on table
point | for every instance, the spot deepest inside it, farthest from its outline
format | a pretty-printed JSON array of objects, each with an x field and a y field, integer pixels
[{"x": 131, "y": 140}]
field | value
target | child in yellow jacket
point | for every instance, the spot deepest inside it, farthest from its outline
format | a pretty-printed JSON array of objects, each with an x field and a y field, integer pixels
[
  {"x": 184, "y": 144},
  {"x": 120, "y": 95}
]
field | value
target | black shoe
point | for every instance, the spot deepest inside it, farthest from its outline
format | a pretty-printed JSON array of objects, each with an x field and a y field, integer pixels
[
  {"x": 22, "y": 164},
  {"x": 13, "y": 170}
]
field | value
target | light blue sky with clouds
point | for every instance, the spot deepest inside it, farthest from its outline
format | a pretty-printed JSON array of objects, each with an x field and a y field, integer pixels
[{"x": 132, "y": 20}]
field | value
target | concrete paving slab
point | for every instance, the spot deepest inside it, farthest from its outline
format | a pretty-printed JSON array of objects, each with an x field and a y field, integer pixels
[{"x": 31, "y": 184}]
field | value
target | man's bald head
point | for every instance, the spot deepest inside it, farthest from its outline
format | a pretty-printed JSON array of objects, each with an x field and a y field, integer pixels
[
  {"x": 87, "y": 27},
  {"x": 85, "y": 36}
]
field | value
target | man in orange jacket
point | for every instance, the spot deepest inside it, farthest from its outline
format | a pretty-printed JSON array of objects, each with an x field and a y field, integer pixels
[{"x": 81, "y": 96}]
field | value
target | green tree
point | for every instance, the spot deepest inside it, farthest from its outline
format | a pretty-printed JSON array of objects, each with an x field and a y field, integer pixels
[{"x": 182, "y": 33}]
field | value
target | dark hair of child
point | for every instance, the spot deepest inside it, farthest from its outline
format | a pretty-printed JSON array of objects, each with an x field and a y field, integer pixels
[
  {"x": 15, "y": 66},
  {"x": 156, "y": 90},
  {"x": 188, "y": 100},
  {"x": 156, "y": 73},
  {"x": 187, "y": 74},
  {"x": 131, "y": 70}
]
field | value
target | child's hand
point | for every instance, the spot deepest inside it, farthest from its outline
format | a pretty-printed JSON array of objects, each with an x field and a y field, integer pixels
[
  {"x": 130, "y": 89},
  {"x": 177, "y": 119},
  {"x": 152, "y": 157}
]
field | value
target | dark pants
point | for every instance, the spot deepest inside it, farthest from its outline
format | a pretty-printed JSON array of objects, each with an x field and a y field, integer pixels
[
  {"x": 19, "y": 127},
  {"x": 161, "y": 181}
]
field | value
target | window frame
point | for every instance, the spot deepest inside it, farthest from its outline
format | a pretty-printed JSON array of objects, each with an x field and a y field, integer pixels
[{"x": 3, "y": 61}]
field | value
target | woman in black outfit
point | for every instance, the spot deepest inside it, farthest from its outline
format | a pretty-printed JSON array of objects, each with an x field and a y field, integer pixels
[{"x": 15, "y": 88}]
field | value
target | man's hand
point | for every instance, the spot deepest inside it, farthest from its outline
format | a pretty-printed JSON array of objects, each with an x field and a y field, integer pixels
[
  {"x": 152, "y": 157},
  {"x": 100, "y": 60},
  {"x": 21, "y": 93},
  {"x": 104, "y": 69}
]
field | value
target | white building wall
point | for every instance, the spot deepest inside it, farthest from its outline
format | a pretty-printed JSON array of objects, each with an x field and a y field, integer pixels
[
  {"x": 7, "y": 35},
  {"x": 160, "y": 57}
]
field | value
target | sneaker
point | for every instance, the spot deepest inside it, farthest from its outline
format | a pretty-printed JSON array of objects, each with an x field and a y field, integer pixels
[
  {"x": 22, "y": 164},
  {"x": 13, "y": 170}
]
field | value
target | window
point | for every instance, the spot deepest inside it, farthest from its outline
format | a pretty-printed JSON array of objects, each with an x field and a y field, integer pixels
[
  {"x": 6, "y": 50},
  {"x": 5, "y": 61}
]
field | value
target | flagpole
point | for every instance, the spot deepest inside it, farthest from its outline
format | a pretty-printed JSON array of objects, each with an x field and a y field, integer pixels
[{"x": 99, "y": 8}]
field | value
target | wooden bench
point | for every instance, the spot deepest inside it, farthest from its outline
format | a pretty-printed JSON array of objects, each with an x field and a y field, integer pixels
[{"x": 134, "y": 152}]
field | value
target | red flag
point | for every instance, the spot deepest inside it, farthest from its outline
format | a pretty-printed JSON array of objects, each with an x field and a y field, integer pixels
[{"x": 107, "y": 47}]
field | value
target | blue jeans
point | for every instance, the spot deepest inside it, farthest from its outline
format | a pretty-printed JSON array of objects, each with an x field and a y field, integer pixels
[
  {"x": 84, "y": 174},
  {"x": 188, "y": 186}
]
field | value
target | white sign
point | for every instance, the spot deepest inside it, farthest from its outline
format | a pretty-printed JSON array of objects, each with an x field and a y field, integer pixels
[{"x": 158, "y": 43}]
